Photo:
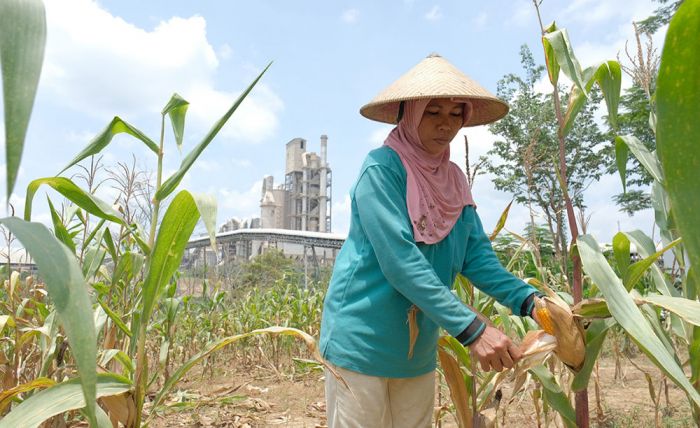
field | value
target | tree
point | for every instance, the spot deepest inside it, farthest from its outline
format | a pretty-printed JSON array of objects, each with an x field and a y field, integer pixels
[
  {"x": 634, "y": 120},
  {"x": 637, "y": 106},
  {"x": 661, "y": 16},
  {"x": 522, "y": 160}
]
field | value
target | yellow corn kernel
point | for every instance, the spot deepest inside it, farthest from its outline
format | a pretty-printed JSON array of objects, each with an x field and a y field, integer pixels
[{"x": 543, "y": 316}]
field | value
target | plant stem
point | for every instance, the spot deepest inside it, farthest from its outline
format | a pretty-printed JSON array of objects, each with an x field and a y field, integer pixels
[
  {"x": 582, "y": 418},
  {"x": 141, "y": 360}
]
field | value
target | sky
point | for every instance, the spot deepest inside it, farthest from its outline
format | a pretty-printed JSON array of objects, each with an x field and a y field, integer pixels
[{"x": 126, "y": 58}]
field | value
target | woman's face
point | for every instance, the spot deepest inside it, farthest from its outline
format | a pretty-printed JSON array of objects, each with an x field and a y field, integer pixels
[{"x": 441, "y": 120}]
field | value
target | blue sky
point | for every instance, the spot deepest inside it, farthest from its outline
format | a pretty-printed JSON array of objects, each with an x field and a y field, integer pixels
[{"x": 127, "y": 57}]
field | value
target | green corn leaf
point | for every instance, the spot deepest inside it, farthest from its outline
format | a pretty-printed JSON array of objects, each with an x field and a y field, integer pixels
[
  {"x": 687, "y": 309},
  {"x": 206, "y": 205},
  {"x": 560, "y": 48},
  {"x": 622, "y": 152},
  {"x": 550, "y": 57},
  {"x": 61, "y": 398},
  {"x": 637, "y": 270},
  {"x": 94, "y": 232},
  {"x": 554, "y": 396},
  {"x": 174, "y": 232},
  {"x": 7, "y": 395},
  {"x": 172, "y": 182},
  {"x": 118, "y": 355},
  {"x": 692, "y": 283},
  {"x": 626, "y": 313},
  {"x": 652, "y": 316},
  {"x": 592, "y": 308},
  {"x": 59, "y": 229},
  {"x": 109, "y": 244},
  {"x": 646, "y": 248},
  {"x": 75, "y": 194},
  {"x": 577, "y": 98},
  {"x": 176, "y": 110},
  {"x": 501, "y": 222},
  {"x": 68, "y": 291},
  {"x": 127, "y": 266},
  {"x": 678, "y": 127},
  {"x": 595, "y": 336},
  {"x": 115, "y": 318},
  {"x": 609, "y": 78},
  {"x": 646, "y": 158},
  {"x": 22, "y": 41},
  {"x": 621, "y": 251},
  {"x": 92, "y": 261},
  {"x": 694, "y": 356},
  {"x": 97, "y": 144}
]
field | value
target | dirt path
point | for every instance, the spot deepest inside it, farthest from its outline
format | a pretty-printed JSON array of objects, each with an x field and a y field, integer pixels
[{"x": 259, "y": 397}]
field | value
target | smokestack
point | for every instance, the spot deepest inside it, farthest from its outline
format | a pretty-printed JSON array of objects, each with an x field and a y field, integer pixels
[
  {"x": 324, "y": 149},
  {"x": 323, "y": 196}
]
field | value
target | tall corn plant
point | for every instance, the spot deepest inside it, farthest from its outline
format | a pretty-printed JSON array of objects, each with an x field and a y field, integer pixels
[
  {"x": 676, "y": 180},
  {"x": 560, "y": 58},
  {"x": 22, "y": 40},
  {"x": 474, "y": 394}
]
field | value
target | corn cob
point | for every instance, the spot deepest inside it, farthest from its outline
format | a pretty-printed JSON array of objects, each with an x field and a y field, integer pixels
[{"x": 543, "y": 316}]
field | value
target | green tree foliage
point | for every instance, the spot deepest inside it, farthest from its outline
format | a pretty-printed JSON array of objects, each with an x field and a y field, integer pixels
[
  {"x": 269, "y": 268},
  {"x": 522, "y": 159},
  {"x": 661, "y": 16},
  {"x": 634, "y": 120}
]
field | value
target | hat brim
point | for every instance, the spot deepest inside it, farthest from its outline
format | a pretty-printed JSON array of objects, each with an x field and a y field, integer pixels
[
  {"x": 434, "y": 77},
  {"x": 484, "y": 110}
]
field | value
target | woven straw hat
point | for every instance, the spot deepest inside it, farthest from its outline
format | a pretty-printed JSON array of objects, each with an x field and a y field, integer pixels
[{"x": 434, "y": 77}]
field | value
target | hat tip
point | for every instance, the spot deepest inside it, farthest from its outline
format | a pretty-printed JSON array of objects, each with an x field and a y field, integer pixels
[{"x": 434, "y": 55}]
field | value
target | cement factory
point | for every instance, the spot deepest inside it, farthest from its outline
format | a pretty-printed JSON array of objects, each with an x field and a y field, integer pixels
[{"x": 295, "y": 216}]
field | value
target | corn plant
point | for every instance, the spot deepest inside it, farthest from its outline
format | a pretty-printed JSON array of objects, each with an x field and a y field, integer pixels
[
  {"x": 674, "y": 176},
  {"x": 143, "y": 263}
]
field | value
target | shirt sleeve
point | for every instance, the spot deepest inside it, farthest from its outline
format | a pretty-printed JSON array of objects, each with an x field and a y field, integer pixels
[
  {"x": 485, "y": 271},
  {"x": 380, "y": 201}
]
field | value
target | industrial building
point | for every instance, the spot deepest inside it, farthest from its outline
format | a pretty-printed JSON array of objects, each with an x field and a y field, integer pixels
[{"x": 303, "y": 202}]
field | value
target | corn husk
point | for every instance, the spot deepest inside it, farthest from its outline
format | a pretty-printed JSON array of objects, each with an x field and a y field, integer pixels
[{"x": 556, "y": 315}]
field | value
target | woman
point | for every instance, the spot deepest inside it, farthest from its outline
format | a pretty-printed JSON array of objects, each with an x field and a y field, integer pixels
[{"x": 413, "y": 228}]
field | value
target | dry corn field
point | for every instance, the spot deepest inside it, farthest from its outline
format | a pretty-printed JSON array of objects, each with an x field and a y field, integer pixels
[{"x": 258, "y": 396}]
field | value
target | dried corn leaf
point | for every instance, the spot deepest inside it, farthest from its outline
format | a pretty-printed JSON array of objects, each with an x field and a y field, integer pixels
[
  {"x": 458, "y": 389},
  {"x": 413, "y": 329}
]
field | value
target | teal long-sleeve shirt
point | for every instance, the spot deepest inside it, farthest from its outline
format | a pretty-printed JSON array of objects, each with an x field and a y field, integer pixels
[{"x": 381, "y": 272}]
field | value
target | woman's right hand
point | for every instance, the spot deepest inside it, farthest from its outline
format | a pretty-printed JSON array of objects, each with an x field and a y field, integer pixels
[{"x": 495, "y": 350}]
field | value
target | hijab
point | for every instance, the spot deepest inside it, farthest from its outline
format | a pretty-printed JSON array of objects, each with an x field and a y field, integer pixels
[{"x": 436, "y": 189}]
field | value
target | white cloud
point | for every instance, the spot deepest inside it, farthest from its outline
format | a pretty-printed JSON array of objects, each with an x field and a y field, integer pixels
[
  {"x": 434, "y": 14},
  {"x": 101, "y": 65},
  {"x": 350, "y": 16},
  {"x": 240, "y": 204},
  {"x": 480, "y": 141}
]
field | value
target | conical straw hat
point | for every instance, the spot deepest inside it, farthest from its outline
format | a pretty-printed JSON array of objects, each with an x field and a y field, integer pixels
[{"x": 434, "y": 77}]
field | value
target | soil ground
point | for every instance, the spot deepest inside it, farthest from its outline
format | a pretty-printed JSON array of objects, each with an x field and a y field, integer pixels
[{"x": 257, "y": 396}]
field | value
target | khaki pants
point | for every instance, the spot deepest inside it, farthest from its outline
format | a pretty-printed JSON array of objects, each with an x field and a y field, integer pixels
[{"x": 379, "y": 402}]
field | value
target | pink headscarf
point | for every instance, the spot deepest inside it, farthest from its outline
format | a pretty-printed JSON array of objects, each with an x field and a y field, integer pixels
[{"x": 436, "y": 189}]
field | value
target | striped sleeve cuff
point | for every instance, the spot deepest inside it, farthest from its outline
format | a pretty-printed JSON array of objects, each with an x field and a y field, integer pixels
[
  {"x": 471, "y": 333},
  {"x": 529, "y": 303}
]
